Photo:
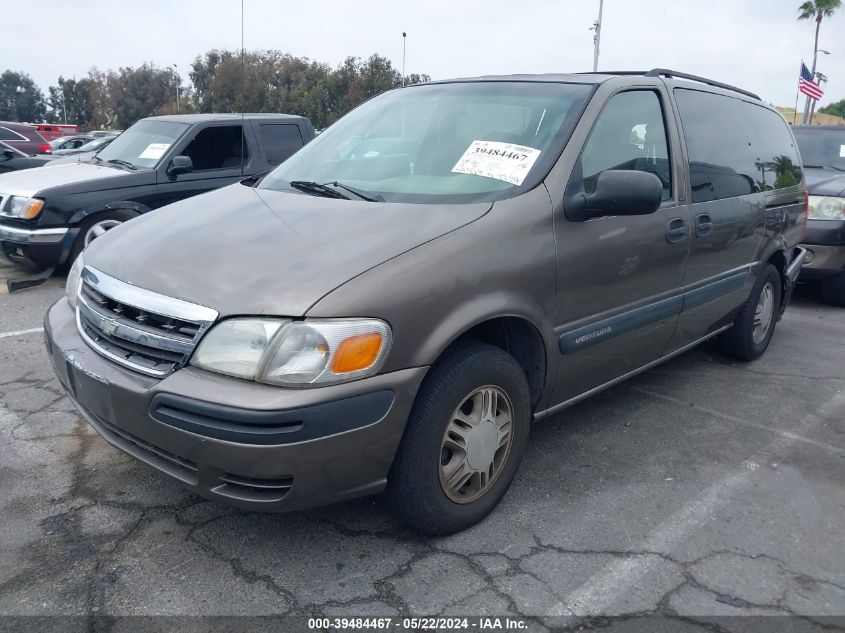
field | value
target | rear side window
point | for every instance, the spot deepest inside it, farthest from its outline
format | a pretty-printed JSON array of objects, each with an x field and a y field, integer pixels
[
  {"x": 734, "y": 147},
  {"x": 280, "y": 141},
  {"x": 629, "y": 134},
  {"x": 8, "y": 135}
]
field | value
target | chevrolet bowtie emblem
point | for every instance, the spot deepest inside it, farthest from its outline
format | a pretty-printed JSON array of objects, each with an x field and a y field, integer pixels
[{"x": 108, "y": 326}]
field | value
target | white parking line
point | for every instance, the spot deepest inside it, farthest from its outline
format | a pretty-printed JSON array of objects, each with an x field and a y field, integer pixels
[
  {"x": 35, "y": 330},
  {"x": 735, "y": 420},
  {"x": 615, "y": 579}
]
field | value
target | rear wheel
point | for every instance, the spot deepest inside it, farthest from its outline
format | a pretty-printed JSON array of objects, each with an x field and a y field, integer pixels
[
  {"x": 833, "y": 290},
  {"x": 755, "y": 324},
  {"x": 464, "y": 440},
  {"x": 96, "y": 226}
]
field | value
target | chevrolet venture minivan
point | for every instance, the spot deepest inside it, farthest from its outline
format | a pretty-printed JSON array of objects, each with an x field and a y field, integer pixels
[{"x": 394, "y": 305}]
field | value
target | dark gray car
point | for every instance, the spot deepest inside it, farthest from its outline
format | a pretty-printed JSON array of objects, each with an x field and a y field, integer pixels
[
  {"x": 823, "y": 153},
  {"x": 394, "y": 305}
]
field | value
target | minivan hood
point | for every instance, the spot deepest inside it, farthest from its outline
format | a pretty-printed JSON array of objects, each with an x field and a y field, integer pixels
[
  {"x": 29, "y": 182},
  {"x": 245, "y": 251},
  {"x": 824, "y": 182}
]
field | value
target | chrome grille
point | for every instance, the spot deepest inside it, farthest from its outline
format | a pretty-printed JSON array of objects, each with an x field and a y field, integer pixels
[{"x": 139, "y": 329}]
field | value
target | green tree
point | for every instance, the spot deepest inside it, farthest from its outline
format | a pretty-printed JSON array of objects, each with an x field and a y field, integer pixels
[
  {"x": 135, "y": 93},
  {"x": 20, "y": 98},
  {"x": 272, "y": 81},
  {"x": 837, "y": 108}
]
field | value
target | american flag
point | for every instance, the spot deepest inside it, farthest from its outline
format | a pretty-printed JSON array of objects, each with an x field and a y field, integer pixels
[{"x": 807, "y": 86}]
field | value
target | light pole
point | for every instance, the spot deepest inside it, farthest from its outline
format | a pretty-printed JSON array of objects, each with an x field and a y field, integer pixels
[
  {"x": 404, "y": 37},
  {"x": 597, "y": 37},
  {"x": 64, "y": 108},
  {"x": 819, "y": 77},
  {"x": 176, "y": 68}
]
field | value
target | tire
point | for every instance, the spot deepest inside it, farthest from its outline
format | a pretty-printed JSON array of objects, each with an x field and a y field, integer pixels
[
  {"x": 106, "y": 220},
  {"x": 745, "y": 340},
  {"x": 833, "y": 290},
  {"x": 426, "y": 454}
]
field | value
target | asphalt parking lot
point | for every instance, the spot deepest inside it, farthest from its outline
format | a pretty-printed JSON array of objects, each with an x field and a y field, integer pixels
[{"x": 700, "y": 488}]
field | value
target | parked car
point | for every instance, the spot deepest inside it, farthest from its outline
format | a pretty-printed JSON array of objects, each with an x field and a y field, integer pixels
[
  {"x": 12, "y": 159},
  {"x": 23, "y": 137},
  {"x": 47, "y": 218},
  {"x": 396, "y": 319},
  {"x": 823, "y": 153},
  {"x": 83, "y": 153},
  {"x": 65, "y": 144},
  {"x": 102, "y": 133}
]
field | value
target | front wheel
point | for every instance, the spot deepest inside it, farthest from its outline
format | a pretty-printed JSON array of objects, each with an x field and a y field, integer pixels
[
  {"x": 96, "y": 226},
  {"x": 464, "y": 440},
  {"x": 755, "y": 324}
]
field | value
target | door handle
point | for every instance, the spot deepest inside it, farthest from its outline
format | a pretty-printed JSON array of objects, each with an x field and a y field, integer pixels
[
  {"x": 676, "y": 230},
  {"x": 703, "y": 225}
]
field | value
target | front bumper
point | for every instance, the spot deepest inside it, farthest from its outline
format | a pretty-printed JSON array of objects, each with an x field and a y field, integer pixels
[
  {"x": 43, "y": 247},
  {"x": 824, "y": 261},
  {"x": 249, "y": 445}
]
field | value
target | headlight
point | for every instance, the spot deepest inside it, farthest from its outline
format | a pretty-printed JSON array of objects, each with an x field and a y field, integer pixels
[
  {"x": 827, "y": 208},
  {"x": 295, "y": 353},
  {"x": 24, "y": 208},
  {"x": 74, "y": 278}
]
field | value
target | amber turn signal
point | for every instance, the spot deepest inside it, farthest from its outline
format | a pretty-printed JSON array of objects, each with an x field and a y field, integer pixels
[
  {"x": 356, "y": 353},
  {"x": 32, "y": 209}
]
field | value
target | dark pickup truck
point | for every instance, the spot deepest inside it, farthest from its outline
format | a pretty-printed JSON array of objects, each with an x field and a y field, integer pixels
[{"x": 48, "y": 216}]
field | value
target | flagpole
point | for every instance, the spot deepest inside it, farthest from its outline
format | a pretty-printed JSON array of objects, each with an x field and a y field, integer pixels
[{"x": 797, "y": 93}]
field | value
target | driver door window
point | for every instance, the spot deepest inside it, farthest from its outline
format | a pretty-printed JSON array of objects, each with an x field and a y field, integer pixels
[{"x": 629, "y": 134}]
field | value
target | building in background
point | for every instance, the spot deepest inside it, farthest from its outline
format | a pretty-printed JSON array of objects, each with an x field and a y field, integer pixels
[{"x": 819, "y": 118}]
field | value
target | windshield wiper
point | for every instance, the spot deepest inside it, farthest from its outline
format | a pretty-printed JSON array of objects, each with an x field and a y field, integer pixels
[
  {"x": 315, "y": 188},
  {"x": 364, "y": 195},
  {"x": 123, "y": 163},
  {"x": 823, "y": 167}
]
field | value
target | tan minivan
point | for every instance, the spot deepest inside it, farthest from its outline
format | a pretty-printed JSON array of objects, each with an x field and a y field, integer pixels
[{"x": 393, "y": 306}]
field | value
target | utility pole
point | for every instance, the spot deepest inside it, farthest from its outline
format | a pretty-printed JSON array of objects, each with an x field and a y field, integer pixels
[
  {"x": 597, "y": 38},
  {"x": 177, "y": 87},
  {"x": 820, "y": 78},
  {"x": 64, "y": 109},
  {"x": 404, "y": 37}
]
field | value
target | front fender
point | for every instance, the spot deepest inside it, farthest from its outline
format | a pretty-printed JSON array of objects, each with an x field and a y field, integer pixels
[{"x": 79, "y": 215}]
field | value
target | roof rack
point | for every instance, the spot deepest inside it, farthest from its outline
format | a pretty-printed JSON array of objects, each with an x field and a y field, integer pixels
[{"x": 665, "y": 72}]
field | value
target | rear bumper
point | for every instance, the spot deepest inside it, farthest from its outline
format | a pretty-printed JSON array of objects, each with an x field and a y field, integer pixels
[
  {"x": 249, "y": 445},
  {"x": 43, "y": 247}
]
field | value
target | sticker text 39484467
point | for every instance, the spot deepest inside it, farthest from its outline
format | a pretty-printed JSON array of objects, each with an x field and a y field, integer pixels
[{"x": 508, "y": 162}]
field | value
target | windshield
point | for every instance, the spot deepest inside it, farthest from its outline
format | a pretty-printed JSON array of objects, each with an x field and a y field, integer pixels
[
  {"x": 821, "y": 148},
  {"x": 144, "y": 143},
  {"x": 455, "y": 142},
  {"x": 58, "y": 141},
  {"x": 97, "y": 143}
]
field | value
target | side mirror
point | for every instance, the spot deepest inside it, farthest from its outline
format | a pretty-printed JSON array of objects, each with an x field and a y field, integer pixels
[
  {"x": 617, "y": 192},
  {"x": 8, "y": 154},
  {"x": 180, "y": 165}
]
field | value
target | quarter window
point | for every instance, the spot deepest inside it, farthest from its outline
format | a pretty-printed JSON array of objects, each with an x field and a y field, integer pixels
[
  {"x": 735, "y": 147},
  {"x": 280, "y": 141},
  {"x": 8, "y": 135},
  {"x": 629, "y": 134}
]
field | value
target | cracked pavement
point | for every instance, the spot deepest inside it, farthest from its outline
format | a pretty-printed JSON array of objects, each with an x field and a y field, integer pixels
[{"x": 701, "y": 488}]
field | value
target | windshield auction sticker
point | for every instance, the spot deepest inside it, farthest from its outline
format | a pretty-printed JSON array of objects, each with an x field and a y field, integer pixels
[
  {"x": 503, "y": 161},
  {"x": 154, "y": 151}
]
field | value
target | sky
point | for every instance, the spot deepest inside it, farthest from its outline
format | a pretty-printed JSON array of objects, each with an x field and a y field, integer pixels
[{"x": 754, "y": 44}]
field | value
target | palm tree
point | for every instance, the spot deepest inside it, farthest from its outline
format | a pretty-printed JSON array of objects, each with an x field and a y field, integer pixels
[{"x": 817, "y": 9}]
